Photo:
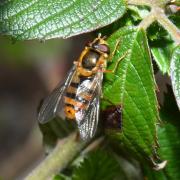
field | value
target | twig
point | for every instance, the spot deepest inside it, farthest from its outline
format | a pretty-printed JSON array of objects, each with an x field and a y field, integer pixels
[
  {"x": 157, "y": 14},
  {"x": 168, "y": 25},
  {"x": 150, "y": 3},
  {"x": 139, "y": 2},
  {"x": 63, "y": 153},
  {"x": 147, "y": 21}
]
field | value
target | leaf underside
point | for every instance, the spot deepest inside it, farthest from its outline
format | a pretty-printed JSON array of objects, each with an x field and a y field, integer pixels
[
  {"x": 41, "y": 19},
  {"x": 175, "y": 74},
  {"x": 162, "y": 56},
  {"x": 161, "y": 46},
  {"x": 133, "y": 87}
]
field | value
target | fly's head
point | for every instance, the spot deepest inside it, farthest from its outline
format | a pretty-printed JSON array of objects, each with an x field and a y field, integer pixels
[{"x": 101, "y": 46}]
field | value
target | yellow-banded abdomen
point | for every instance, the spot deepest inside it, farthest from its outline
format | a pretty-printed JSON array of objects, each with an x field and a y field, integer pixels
[{"x": 78, "y": 95}]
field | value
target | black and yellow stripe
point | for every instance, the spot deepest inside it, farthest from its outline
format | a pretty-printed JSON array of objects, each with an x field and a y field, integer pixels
[{"x": 71, "y": 100}]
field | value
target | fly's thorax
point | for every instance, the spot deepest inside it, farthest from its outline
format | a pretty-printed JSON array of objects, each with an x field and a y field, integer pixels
[
  {"x": 90, "y": 60},
  {"x": 94, "y": 57}
]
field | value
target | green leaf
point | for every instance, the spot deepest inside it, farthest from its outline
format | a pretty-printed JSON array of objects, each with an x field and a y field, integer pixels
[
  {"x": 43, "y": 19},
  {"x": 139, "y": 12},
  {"x": 153, "y": 175},
  {"x": 133, "y": 87},
  {"x": 169, "y": 140},
  {"x": 175, "y": 18},
  {"x": 61, "y": 177},
  {"x": 161, "y": 47},
  {"x": 98, "y": 165},
  {"x": 132, "y": 17},
  {"x": 162, "y": 53},
  {"x": 169, "y": 136},
  {"x": 156, "y": 32},
  {"x": 175, "y": 74}
]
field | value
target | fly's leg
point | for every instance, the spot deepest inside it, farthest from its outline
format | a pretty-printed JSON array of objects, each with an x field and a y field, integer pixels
[
  {"x": 115, "y": 49},
  {"x": 116, "y": 65},
  {"x": 117, "y": 62}
]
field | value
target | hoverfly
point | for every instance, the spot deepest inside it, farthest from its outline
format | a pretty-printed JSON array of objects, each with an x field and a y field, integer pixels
[{"x": 79, "y": 95}]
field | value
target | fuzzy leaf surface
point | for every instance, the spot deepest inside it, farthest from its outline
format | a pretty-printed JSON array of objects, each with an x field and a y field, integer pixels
[
  {"x": 46, "y": 19},
  {"x": 133, "y": 87},
  {"x": 175, "y": 74}
]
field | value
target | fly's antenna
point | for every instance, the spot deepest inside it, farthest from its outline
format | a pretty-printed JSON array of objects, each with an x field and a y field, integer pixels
[{"x": 100, "y": 36}]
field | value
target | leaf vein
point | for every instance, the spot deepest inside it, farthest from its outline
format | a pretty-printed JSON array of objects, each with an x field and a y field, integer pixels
[
  {"x": 56, "y": 30},
  {"x": 22, "y": 10},
  {"x": 52, "y": 16},
  {"x": 146, "y": 125}
]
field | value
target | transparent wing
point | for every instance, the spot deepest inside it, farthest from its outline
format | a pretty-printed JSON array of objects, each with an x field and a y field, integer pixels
[
  {"x": 87, "y": 127},
  {"x": 52, "y": 103},
  {"x": 87, "y": 119}
]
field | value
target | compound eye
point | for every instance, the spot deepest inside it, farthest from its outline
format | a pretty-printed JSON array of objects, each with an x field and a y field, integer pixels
[{"x": 103, "y": 48}]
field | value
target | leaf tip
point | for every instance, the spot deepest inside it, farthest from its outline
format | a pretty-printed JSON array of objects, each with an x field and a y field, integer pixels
[{"x": 159, "y": 166}]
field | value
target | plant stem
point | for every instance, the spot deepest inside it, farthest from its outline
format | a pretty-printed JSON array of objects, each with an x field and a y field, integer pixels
[
  {"x": 63, "y": 153},
  {"x": 139, "y": 2},
  {"x": 168, "y": 25},
  {"x": 150, "y": 3},
  {"x": 157, "y": 14},
  {"x": 147, "y": 21}
]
